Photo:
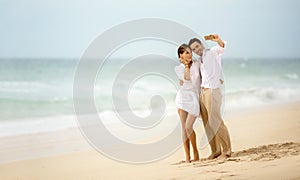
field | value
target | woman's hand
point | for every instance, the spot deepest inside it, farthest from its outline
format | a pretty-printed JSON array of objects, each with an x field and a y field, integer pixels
[
  {"x": 188, "y": 64},
  {"x": 187, "y": 75},
  {"x": 221, "y": 81}
]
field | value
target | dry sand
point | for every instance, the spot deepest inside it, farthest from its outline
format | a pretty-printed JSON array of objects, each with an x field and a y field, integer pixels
[{"x": 266, "y": 144}]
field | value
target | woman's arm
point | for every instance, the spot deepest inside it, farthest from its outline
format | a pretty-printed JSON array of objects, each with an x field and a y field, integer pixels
[{"x": 187, "y": 74}]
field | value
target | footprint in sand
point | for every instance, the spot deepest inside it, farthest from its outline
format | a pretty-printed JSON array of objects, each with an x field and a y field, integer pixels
[
  {"x": 268, "y": 152},
  {"x": 262, "y": 153}
]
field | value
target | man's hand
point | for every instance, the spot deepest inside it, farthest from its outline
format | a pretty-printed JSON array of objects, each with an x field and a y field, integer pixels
[
  {"x": 215, "y": 38},
  {"x": 181, "y": 82},
  {"x": 218, "y": 40}
]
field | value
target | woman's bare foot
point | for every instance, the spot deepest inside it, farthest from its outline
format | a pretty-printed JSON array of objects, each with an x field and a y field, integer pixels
[
  {"x": 196, "y": 156},
  {"x": 188, "y": 159}
]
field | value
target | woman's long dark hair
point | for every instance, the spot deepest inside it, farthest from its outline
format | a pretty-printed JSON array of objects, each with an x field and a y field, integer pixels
[{"x": 181, "y": 49}]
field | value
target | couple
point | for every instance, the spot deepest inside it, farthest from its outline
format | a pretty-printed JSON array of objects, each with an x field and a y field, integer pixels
[{"x": 200, "y": 94}]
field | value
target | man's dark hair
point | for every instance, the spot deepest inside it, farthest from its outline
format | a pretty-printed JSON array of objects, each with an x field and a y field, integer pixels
[{"x": 194, "y": 40}]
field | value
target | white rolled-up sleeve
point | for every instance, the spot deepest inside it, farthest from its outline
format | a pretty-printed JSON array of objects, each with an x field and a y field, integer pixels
[
  {"x": 218, "y": 49},
  {"x": 179, "y": 70}
]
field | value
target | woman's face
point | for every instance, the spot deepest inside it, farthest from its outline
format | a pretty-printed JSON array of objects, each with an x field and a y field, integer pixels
[{"x": 186, "y": 56}]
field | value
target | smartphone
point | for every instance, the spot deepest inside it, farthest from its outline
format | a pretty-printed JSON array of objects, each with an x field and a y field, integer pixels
[{"x": 209, "y": 37}]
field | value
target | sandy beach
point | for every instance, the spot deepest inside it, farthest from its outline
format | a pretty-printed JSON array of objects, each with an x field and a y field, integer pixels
[
  {"x": 90, "y": 90},
  {"x": 266, "y": 144}
]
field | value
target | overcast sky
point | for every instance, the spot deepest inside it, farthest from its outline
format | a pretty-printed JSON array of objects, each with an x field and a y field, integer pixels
[{"x": 52, "y": 28}]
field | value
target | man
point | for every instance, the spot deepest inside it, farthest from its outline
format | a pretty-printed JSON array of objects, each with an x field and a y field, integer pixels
[{"x": 211, "y": 97}]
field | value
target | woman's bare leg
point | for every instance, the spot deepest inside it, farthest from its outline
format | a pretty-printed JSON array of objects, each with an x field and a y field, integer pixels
[
  {"x": 185, "y": 139},
  {"x": 192, "y": 135}
]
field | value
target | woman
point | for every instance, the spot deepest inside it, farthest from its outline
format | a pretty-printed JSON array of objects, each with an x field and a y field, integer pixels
[{"x": 187, "y": 101}]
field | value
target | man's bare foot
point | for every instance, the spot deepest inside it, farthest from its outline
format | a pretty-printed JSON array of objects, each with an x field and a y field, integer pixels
[
  {"x": 224, "y": 155},
  {"x": 213, "y": 156}
]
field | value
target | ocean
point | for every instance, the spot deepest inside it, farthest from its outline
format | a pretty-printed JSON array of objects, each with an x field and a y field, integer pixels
[{"x": 36, "y": 95}]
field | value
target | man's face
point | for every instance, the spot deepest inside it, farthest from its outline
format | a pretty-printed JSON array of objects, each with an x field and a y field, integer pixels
[{"x": 197, "y": 48}]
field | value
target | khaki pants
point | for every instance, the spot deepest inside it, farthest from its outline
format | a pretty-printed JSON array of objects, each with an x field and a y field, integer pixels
[{"x": 216, "y": 131}]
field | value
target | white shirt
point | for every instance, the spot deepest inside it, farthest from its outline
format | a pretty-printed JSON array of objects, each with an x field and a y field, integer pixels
[
  {"x": 187, "y": 98},
  {"x": 211, "y": 67},
  {"x": 187, "y": 84},
  {"x": 194, "y": 82},
  {"x": 196, "y": 76}
]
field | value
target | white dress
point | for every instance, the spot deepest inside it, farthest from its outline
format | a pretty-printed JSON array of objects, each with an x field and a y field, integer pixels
[{"x": 187, "y": 97}]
